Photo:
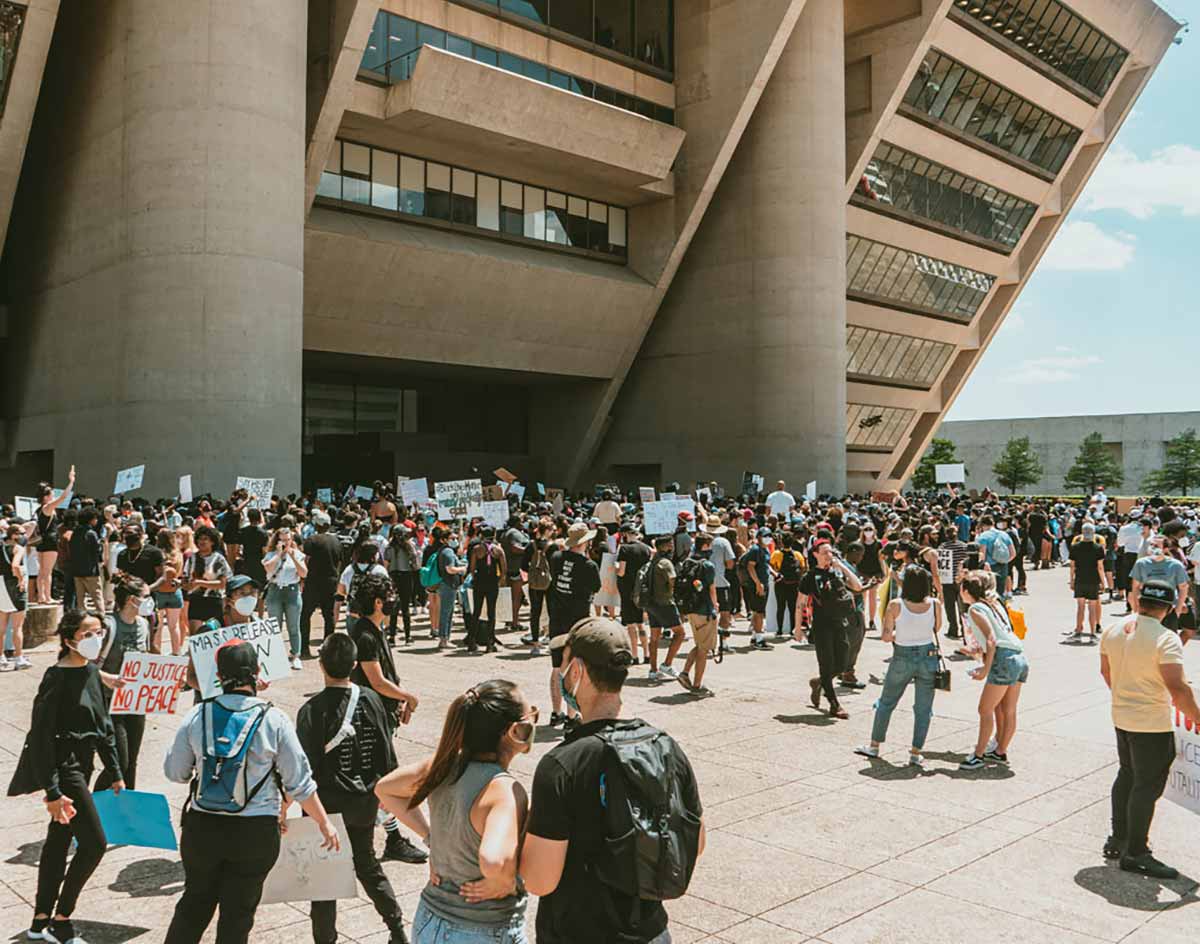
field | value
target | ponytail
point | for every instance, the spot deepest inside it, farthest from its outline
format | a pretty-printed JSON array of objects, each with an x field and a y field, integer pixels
[{"x": 447, "y": 764}]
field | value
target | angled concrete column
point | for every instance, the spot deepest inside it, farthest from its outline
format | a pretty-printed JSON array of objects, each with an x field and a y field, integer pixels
[
  {"x": 744, "y": 367},
  {"x": 161, "y": 319}
]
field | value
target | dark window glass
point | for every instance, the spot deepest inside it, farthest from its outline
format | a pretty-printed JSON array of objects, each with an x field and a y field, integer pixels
[
  {"x": 614, "y": 25},
  {"x": 577, "y": 222},
  {"x": 530, "y": 9},
  {"x": 401, "y": 37},
  {"x": 511, "y": 63},
  {"x": 882, "y": 273},
  {"x": 573, "y": 16},
  {"x": 437, "y": 191},
  {"x": 537, "y": 71},
  {"x": 560, "y": 80},
  {"x": 605, "y": 94},
  {"x": 653, "y": 34},
  {"x": 486, "y": 54},
  {"x": 459, "y": 45},
  {"x": 462, "y": 204},
  {"x": 431, "y": 36},
  {"x": 376, "y": 54}
]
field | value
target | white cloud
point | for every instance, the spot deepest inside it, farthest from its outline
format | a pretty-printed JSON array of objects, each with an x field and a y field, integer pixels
[
  {"x": 1085, "y": 247},
  {"x": 1049, "y": 370},
  {"x": 1168, "y": 179}
]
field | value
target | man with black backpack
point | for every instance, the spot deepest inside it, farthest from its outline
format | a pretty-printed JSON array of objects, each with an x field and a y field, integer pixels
[
  {"x": 828, "y": 587},
  {"x": 346, "y": 734},
  {"x": 609, "y": 779},
  {"x": 238, "y": 752},
  {"x": 696, "y": 589},
  {"x": 788, "y": 564},
  {"x": 656, "y": 591}
]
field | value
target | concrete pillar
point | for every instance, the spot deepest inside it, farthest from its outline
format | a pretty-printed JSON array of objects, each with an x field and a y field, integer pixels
[
  {"x": 161, "y": 321},
  {"x": 744, "y": 366}
]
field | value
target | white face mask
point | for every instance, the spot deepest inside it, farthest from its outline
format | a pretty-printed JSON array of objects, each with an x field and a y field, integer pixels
[
  {"x": 245, "y": 605},
  {"x": 146, "y": 607},
  {"x": 89, "y": 648}
]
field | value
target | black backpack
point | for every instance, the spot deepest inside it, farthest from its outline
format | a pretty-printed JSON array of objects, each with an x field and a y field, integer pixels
[
  {"x": 744, "y": 573},
  {"x": 687, "y": 597},
  {"x": 789, "y": 567},
  {"x": 652, "y": 838},
  {"x": 643, "y": 588}
]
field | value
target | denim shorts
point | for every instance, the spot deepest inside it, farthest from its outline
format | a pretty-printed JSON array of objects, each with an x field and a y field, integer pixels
[
  {"x": 1008, "y": 668},
  {"x": 168, "y": 601},
  {"x": 429, "y": 928},
  {"x": 664, "y": 616}
]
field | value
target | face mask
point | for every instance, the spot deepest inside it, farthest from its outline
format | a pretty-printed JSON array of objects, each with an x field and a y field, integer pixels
[
  {"x": 89, "y": 648},
  {"x": 146, "y": 607},
  {"x": 569, "y": 697},
  {"x": 362, "y": 567},
  {"x": 245, "y": 605}
]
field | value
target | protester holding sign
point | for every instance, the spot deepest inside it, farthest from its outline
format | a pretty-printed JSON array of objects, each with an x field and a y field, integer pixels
[
  {"x": 70, "y": 725},
  {"x": 126, "y": 629},
  {"x": 231, "y": 749},
  {"x": 1142, "y": 664}
]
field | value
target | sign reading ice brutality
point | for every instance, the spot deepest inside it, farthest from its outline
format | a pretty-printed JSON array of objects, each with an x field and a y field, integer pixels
[
  {"x": 262, "y": 634},
  {"x": 129, "y": 480},
  {"x": 151, "y": 684},
  {"x": 945, "y": 565},
  {"x": 457, "y": 495},
  {"x": 414, "y": 491},
  {"x": 1183, "y": 783},
  {"x": 259, "y": 490},
  {"x": 305, "y": 871}
]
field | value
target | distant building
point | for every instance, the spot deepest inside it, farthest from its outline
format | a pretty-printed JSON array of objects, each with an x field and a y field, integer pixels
[{"x": 1136, "y": 440}]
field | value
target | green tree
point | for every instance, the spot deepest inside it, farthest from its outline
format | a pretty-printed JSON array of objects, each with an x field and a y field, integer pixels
[
  {"x": 1093, "y": 466},
  {"x": 1182, "y": 467},
  {"x": 940, "y": 452},
  {"x": 1018, "y": 465}
]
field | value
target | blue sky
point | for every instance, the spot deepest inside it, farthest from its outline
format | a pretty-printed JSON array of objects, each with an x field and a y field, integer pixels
[{"x": 1120, "y": 277}]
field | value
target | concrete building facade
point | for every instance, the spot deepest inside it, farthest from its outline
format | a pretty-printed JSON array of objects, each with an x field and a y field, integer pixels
[
  {"x": 1137, "y": 441},
  {"x": 590, "y": 240}
]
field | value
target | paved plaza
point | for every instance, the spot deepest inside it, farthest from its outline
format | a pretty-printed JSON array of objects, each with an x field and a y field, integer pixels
[{"x": 807, "y": 842}]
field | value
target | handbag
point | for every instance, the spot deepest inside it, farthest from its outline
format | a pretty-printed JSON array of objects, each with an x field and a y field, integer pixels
[{"x": 941, "y": 676}]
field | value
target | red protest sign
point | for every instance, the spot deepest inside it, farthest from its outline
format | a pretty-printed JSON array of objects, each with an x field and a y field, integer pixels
[{"x": 151, "y": 684}]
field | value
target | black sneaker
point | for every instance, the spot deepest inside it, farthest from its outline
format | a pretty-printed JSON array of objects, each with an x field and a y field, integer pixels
[
  {"x": 1114, "y": 848},
  {"x": 398, "y": 936},
  {"x": 570, "y": 724},
  {"x": 62, "y": 932},
  {"x": 399, "y": 848},
  {"x": 1146, "y": 864},
  {"x": 996, "y": 757},
  {"x": 972, "y": 763},
  {"x": 37, "y": 929},
  {"x": 556, "y": 719},
  {"x": 529, "y": 640}
]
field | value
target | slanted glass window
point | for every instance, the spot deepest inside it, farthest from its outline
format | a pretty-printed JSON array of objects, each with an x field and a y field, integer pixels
[
  {"x": 900, "y": 180},
  {"x": 975, "y": 107},
  {"x": 459, "y": 45},
  {"x": 1052, "y": 33},
  {"x": 882, "y": 274},
  {"x": 535, "y": 10},
  {"x": 876, "y": 427},
  {"x": 882, "y": 355}
]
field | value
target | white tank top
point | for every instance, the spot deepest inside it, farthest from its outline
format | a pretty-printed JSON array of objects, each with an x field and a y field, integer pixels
[{"x": 914, "y": 629}]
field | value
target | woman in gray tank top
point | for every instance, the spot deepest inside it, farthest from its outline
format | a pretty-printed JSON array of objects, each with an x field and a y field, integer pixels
[{"x": 476, "y": 818}]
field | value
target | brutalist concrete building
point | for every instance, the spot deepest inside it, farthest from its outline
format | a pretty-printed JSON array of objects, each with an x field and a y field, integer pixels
[{"x": 589, "y": 240}]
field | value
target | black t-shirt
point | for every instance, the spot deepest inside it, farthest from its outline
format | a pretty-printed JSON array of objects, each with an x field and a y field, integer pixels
[
  {"x": 372, "y": 647},
  {"x": 229, "y": 523},
  {"x": 324, "y": 553},
  {"x": 143, "y": 563},
  {"x": 574, "y": 579},
  {"x": 566, "y": 806},
  {"x": 253, "y": 539},
  {"x": 1086, "y": 554},
  {"x": 830, "y": 598},
  {"x": 635, "y": 555}
]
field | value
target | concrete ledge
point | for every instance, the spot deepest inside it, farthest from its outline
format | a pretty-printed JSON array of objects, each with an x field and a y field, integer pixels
[{"x": 41, "y": 623}]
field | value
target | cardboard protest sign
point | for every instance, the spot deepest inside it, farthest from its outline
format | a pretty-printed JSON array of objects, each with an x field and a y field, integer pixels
[
  {"x": 557, "y": 498},
  {"x": 134, "y": 818},
  {"x": 151, "y": 684},
  {"x": 25, "y": 507},
  {"x": 365, "y": 492},
  {"x": 950, "y": 473},
  {"x": 810, "y": 491},
  {"x": 1183, "y": 783},
  {"x": 185, "y": 488},
  {"x": 264, "y": 635},
  {"x": 325, "y": 494},
  {"x": 492, "y": 493},
  {"x": 414, "y": 491},
  {"x": 306, "y": 872},
  {"x": 129, "y": 480},
  {"x": 457, "y": 495},
  {"x": 646, "y": 494},
  {"x": 504, "y": 475},
  {"x": 260, "y": 491}
]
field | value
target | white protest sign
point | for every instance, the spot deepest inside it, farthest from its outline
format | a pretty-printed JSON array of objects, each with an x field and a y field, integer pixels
[
  {"x": 259, "y": 490},
  {"x": 414, "y": 491},
  {"x": 264, "y": 635},
  {"x": 1183, "y": 782},
  {"x": 662, "y": 517},
  {"x": 25, "y": 507},
  {"x": 516, "y": 488},
  {"x": 185, "y": 488},
  {"x": 951, "y": 473},
  {"x": 306, "y": 872},
  {"x": 645, "y": 494},
  {"x": 945, "y": 565},
  {"x": 151, "y": 684},
  {"x": 129, "y": 480},
  {"x": 494, "y": 513},
  {"x": 704, "y": 495},
  {"x": 364, "y": 492},
  {"x": 810, "y": 491},
  {"x": 324, "y": 494},
  {"x": 458, "y": 495},
  {"x": 667, "y": 496}
]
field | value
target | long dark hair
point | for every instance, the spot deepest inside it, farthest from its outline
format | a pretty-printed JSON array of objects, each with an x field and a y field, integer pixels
[
  {"x": 915, "y": 583},
  {"x": 475, "y": 722},
  {"x": 68, "y": 626}
]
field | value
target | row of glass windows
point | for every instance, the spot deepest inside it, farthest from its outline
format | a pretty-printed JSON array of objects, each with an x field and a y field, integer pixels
[
  {"x": 1054, "y": 34},
  {"x": 640, "y": 29},
  {"x": 396, "y": 42},
  {"x": 905, "y": 181},
  {"x": 878, "y": 427},
  {"x": 412, "y": 186},
  {"x": 962, "y": 98},
  {"x": 878, "y": 272},
  {"x": 12, "y": 18},
  {"x": 885, "y": 356},
  {"x": 344, "y": 409}
]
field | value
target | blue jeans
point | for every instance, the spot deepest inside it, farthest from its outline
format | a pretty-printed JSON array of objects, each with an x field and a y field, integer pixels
[
  {"x": 429, "y": 928},
  {"x": 283, "y": 605},
  {"x": 446, "y": 598},
  {"x": 1001, "y": 573},
  {"x": 909, "y": 664}
]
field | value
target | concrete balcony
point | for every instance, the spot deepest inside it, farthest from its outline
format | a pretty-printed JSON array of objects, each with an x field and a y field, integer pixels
[{"x": 457, "y": 109}]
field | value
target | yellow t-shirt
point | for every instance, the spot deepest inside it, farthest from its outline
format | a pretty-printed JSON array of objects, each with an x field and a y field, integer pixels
[{"x": 1140, "y": 700}]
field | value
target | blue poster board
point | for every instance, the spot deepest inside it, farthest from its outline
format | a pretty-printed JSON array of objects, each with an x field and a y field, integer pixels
[{"x": 134, "y": 818}]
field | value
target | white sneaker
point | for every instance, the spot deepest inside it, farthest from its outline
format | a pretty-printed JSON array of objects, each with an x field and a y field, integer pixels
[
  {"x": 535, "y": 650},
  {"x": 5, "y": 665},
  {"x": 867, "y": 751},
  {"x": 916, "y": 760},
  {"x": 22, "y": 663},
  {"x": 992, "y": 745},
  {"x": 297, "y": 664},
  {"x": 668, "y": 671},
  {"x": 654, "y": 676}
]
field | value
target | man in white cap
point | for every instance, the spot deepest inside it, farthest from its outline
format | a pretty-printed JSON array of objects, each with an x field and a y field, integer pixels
[
  {"x": 1087, "y": 577},
  {"x": 574, "y": 580}
]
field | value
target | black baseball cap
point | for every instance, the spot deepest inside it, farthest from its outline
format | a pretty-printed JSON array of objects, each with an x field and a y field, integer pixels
[
  {"x": 1159, "y": 591},
  {"x": 237, "y": 662}
]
